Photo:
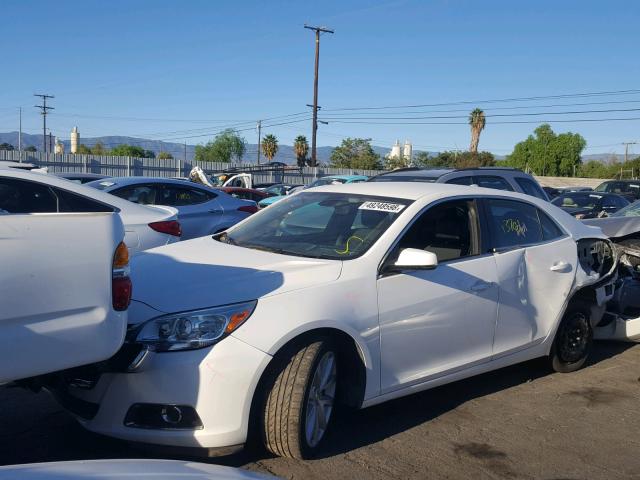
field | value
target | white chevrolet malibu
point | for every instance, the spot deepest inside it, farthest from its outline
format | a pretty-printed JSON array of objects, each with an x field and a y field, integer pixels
[{"x": 353, "y": 295}]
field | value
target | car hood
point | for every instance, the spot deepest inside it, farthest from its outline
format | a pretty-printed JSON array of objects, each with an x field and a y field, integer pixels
[
  {"x": 615, "y": 227},
  {"x": 203, "y": 273},
  {"x": 125, "y": 469}
]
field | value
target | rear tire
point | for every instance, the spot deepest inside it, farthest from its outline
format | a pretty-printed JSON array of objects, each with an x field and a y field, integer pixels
[
  {"x": 300, "y": 399},
  {"x": 573, "y": 341}
]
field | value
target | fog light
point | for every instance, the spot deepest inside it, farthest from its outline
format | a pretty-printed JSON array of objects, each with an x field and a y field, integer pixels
[{"x": 164, "y": 417}]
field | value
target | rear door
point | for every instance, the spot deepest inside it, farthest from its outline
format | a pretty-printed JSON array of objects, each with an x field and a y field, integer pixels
[
  {"x": 199, "y": 210},
  {"x": 536, "y": 264},
  {"x": 55, "y": 281}
]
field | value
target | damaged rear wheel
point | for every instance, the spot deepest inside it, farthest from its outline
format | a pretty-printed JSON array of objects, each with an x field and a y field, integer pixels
[{"x": 573, "y": 341}]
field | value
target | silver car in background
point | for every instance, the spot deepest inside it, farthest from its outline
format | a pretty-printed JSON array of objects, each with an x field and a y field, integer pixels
[{"x": 201, "y": 210}]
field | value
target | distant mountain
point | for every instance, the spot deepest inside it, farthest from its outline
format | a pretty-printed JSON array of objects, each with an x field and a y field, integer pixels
[{"x": 285, "y": 153}]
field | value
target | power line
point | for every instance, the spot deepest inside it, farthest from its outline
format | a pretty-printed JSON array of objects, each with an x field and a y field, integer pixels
[
  {"x": 575, "y": 112},
  {"x": 498, "y": 100},
  {"x": 506, "y": 122}
]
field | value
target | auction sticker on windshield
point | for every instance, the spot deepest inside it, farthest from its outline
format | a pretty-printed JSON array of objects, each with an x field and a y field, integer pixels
[{"x": 382, "y": 207}]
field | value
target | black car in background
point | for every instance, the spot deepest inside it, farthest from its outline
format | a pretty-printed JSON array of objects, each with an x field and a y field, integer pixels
[
  {"x": 630, "y": 189},
  {"x": 589, "y": 204}
]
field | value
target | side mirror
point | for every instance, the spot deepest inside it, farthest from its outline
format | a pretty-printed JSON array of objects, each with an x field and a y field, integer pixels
[{"x": 414, "y": 259}]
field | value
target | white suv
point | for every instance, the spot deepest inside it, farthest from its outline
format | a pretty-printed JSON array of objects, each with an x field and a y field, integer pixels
[{"x": 357, "y": 294}]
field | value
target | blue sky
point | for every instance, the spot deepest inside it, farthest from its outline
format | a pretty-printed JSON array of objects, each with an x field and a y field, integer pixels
[{"x": 170, "y": 69}]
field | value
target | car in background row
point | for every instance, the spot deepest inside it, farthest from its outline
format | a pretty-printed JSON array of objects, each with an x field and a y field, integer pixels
[
  {"x": 201, "y": 210},
  {"x": 252, "y": 194},
  {"x": 630, "y": 189},
  {"x": 80, "y": 177},
  {"x": 64, "y": 277},
  {"x": 344, "y": 294},
  {"x": 584, "y": 205},
  {"x": 328, "y": 180},
  {"x": 499, "y": 178},
  {"x": 28, "y": 167},
  {"x": 28, "y": 193},
  {"x": 281, "y": 189}
]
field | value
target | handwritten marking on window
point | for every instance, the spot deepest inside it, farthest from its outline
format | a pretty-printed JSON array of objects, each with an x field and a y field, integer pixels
[{"x": 513, "y": 225}]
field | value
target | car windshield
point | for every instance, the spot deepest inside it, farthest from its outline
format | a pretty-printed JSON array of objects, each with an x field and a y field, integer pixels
[
  {"x": 577, "y": 200},
  {"x": 318, "y": 225},
  {"x": 327, "y": 181},
  {"x": 632, "y": 210}
]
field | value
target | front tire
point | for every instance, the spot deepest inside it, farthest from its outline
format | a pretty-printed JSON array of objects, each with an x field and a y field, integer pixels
[
  {"x": 573, "y": 341},
  {"x": 300, "y": 400}
]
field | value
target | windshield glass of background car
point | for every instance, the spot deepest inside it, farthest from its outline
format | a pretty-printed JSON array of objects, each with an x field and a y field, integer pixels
[
  {"x": 336, "y": 226},
  {"x": 632, "y": 210},
  {"x": 577, "y": 200}
]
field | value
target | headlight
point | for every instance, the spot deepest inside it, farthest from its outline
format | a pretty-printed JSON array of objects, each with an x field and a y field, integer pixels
[{"x": 195, "y": 329}]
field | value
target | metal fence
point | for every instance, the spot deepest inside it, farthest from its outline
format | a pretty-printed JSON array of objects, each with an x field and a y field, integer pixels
[{"x": 155, "y": 167}]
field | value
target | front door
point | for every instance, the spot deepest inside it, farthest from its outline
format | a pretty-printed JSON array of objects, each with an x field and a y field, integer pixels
[
  {"x": 436, "y": 321},
  {"x": 199, "y": 211}
]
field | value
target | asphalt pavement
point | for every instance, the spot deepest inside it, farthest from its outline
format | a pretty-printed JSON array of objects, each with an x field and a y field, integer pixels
[{"x": 518, "y": 422}]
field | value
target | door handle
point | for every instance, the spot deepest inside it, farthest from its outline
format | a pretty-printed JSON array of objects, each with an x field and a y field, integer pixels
[
  {"x": 481, "y": 286},
  {"x": 561, "y": 267}
]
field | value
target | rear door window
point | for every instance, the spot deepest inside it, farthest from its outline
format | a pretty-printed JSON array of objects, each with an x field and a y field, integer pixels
[
  {"x": 179, "y": 196},
  {"x": 531, "y": 188},
  {"x": 491, "y": 181},
  {"x": 143, "y": 194},
  {"x": 21, "y": 196},
  {"x": 550, "y": 230},
  {"x": 512, "y": 223}
]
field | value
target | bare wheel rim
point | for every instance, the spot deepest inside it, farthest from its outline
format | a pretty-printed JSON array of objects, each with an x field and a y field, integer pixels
[
  {"x": 574, "y": 338},
  {"x": 320, "y": 400}
]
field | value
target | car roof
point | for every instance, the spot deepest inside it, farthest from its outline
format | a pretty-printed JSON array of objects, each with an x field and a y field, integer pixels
[
  {"x": 95, "y": 176},
  {"x": 439, "y": 172},
  {"x": 124, "y": 181}
]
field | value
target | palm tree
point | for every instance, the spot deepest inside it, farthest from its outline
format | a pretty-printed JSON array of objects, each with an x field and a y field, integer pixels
[
  {"x": 477, "y": 122},
  {"x": 270, "y": 146},
  {"x": 301, "y": 148}
]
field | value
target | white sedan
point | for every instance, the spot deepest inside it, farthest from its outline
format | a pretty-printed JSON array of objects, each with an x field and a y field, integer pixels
[
  {"x": 355, "y": 294},
  {"x": 24, "y": 192}
]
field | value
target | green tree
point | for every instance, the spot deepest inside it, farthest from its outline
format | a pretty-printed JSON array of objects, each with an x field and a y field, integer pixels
[
  {"x": 424, "y": 160},
  {"x": 6, "y": 146},
  {"x": 98, "y": 149},
  {"x": 149, "y": 154},
  {"x": 270, "y": 146},
  {"x": 125, "y": 150},
  {"x": 83, "y": 150},
  {"x": 547, "y": 153},
  {"x": 391, "y": 163},
  {"x": 165, "y": 156},
  {"x": 31, "y": 148},
  {"x": 356, "y": 153},
  {"x": 223, "y": 148},
  {"x": 301, "y": 149},
  {"x": 477, "y": 122}
]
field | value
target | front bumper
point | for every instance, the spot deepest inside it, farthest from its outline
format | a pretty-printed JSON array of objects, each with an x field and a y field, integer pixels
[{"x": 218, "y": 382}]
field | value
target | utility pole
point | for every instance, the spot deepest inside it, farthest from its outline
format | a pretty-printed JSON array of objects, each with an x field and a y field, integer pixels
[
  {"x": 314, "y": 127},
  {"x": 626, "y": 149},
  {"x": 44, "y": 111},
  {"x": 259, "y": 127},
  {"x": 20, "y": 130}
]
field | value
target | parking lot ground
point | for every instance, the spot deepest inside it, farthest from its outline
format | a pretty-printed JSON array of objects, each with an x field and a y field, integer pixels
[{"x": 518, "y": 422}]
